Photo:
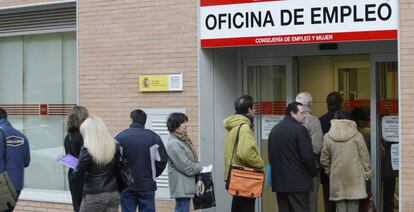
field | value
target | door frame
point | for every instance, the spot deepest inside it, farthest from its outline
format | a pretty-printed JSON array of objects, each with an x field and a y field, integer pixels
[
  {"x": 375, "y": 162},
  {"x": 291, "y": 89}
]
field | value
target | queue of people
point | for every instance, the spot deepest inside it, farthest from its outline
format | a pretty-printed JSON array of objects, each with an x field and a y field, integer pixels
[{"x": 303, "y": 150}]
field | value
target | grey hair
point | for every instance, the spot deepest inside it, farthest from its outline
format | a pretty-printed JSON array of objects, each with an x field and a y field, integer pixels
[{"x": 305, "y": 98}]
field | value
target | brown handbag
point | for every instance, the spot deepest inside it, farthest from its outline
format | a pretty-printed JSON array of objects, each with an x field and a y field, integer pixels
[
  {"x": 367, "y": 204},
  {"x": 244, "y": 181}
]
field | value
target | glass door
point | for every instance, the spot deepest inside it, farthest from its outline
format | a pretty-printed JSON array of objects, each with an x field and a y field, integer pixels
[
  {"x": 387, "y": 131},
  {"x": 269, "y": 82}
]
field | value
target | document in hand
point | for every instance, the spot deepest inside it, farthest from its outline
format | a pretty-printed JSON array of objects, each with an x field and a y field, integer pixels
[{"x": 68, "y": 160}]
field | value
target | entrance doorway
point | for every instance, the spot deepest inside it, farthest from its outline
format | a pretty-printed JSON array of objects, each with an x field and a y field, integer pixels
[{"x": 368, "y": 82}]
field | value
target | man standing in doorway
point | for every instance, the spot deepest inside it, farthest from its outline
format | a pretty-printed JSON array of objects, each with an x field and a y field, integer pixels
[
  {"x": 247, "y": 153},
  {"x": 313, "y": 125},
  {"x": 18, "y": 153},
  {"x": 292, "y": 161},
  {"x": 147, "y": 158}
]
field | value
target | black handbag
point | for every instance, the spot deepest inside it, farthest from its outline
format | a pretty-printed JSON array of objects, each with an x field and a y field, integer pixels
[
  {"x": 204, "y": 196},
  {"x": 123, "y": 173},
  {"x": 8, "y": 195}
]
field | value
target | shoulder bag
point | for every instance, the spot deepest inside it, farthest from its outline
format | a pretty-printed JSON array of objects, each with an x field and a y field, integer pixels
[
  {"x": 123, "y": 173},
  {"x": 8, "y": 195},
  {"x": 244, "y": 181}
]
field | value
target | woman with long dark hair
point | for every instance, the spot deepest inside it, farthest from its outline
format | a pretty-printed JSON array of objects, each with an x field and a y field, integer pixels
[{"x": 73, "y": 143}]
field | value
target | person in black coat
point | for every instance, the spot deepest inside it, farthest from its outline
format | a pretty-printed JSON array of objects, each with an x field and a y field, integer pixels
[
  {"x": 98, "y": 165},
  {"x": 73, "y": 143},
  {"x": 292, "y": 161}
]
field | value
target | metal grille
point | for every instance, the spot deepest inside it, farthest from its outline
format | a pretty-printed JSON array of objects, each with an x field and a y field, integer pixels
[{"x": 38, "y": 19}]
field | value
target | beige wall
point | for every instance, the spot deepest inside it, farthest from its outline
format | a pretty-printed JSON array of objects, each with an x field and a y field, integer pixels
[
  {"x": 119, "y": 42},
  {"x": 407, "y": 98}
]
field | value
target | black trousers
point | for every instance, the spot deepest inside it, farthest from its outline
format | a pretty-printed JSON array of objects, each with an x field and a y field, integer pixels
[
  {"x": 76, "y": 188},
  {"x": 293, "y": 201},
  {"x": 242, "y": 204},
  {"x": 388, "y": 193},
  {"x": 329, "y": 205}
]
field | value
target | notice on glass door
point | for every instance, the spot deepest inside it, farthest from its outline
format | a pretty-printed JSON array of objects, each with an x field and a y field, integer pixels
[
  {"x": 395, "y": 156},
  {"x": 268, "y": 121},
  {"x": 390, "y": 128}
]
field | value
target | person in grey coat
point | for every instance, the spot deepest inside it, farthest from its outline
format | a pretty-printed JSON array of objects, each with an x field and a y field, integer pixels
[
  {"x": 313, "y": 125},
  {"x": 183, "y": 162}
]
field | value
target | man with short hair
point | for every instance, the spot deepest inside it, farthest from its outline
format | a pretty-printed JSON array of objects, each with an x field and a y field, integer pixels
[
  {"x": 292, "y": 161},
  {"x": 247, "y": 153},
  {"x": 18, "y": 153},
  {"x": 313, "y": 126},
  {"x": 147, "y": 158}
]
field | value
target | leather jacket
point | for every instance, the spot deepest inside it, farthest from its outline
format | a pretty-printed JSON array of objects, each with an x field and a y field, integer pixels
[{"x": 98, "y": 178}]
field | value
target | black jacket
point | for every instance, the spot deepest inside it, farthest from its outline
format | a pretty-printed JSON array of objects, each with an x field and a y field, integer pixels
[
  {"x": 136, "y": 142},
  {"x": 291, "y": 157},
  {"x": 326, "y": 121},
  {"x": 97, "y": 178}
]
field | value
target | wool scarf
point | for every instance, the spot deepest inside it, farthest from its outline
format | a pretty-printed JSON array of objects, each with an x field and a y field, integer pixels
[{"x": 187, "y": 141}]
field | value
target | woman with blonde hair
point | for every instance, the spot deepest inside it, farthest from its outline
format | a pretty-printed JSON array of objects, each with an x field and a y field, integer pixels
[
  {"x": 98, "y": 159},
  {"x": 73, "y": 143}
]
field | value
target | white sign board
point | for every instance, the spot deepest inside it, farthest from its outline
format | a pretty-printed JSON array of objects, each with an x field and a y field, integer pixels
[
  {"x": 268, "y": 122},
  {"x": 390, "y": 128},
  {"x": 252, "y": 22},
  {"x": 395, "y": 156}
]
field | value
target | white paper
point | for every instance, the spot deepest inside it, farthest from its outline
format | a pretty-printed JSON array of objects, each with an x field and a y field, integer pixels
[
  {"x": 395, "y": 156},
  {"x": 390, "y": 128},
  {"x": 268, "y": 122},
  {"x": 207, "y": 169}
]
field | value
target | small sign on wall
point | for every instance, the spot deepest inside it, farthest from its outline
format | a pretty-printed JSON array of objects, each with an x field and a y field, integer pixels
[
  {"x": 390, "y": 128},
  {"x": 268, "y": 122},
  {"x": 161, "y": 82}
]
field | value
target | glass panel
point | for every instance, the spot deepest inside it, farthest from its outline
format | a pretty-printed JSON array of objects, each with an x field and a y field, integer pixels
[
  {"x": 387, "y": 113},
  {"x": 267, "y": 84},
  {"x": 40, "y": 69}
]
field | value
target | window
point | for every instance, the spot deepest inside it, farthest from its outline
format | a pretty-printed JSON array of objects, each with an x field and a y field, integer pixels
[{"x": 38, "y": 85}]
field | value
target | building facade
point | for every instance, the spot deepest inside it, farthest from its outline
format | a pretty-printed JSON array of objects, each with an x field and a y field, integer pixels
[{"x": 96, "y": 53}]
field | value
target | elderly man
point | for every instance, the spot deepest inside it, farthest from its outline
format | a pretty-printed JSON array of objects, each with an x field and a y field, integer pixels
[{"x": 313, "y": 125}]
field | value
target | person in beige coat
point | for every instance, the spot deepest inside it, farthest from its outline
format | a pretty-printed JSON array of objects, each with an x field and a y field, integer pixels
[{"x": 346, "y": 161}]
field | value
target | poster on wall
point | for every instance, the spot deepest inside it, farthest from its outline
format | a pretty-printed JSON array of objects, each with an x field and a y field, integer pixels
[
  {"x": 161, "y": 82},
  {"x": 395, "y": 156},
  {"x": 390, "y": 128},
  {"x": 226, "y": 23},
  {"x": 268, "y": 121}
]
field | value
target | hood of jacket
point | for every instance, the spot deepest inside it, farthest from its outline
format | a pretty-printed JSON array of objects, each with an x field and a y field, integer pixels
[
  {"x": 235, "y": 121},
  {"x": 342, "y": 130}
]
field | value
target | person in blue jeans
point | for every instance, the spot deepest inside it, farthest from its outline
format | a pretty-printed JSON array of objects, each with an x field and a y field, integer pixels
[
  {"x": 183, "y": 163},
  {"x": 147, "y": 159}
]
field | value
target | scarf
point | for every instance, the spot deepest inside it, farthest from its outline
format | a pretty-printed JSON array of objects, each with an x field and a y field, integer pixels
[{"x": 187, "y": 141}]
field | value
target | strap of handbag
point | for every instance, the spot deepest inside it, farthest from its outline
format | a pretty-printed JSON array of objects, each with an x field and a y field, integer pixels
[
  {"x": 235, "y": 144},
  {"x": 5, "y": 148}
]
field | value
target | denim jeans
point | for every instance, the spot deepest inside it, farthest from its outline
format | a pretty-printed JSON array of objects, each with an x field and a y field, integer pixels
[
  {"x": 144, "y": 200},
  {"x": 182, "y": 204}
]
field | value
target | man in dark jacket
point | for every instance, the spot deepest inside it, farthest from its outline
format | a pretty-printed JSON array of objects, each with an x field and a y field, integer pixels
[
  {"x": 292, "y": 161},
  {"x": 18, "y": 154},
  {"x": 147, "y": 158}
]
